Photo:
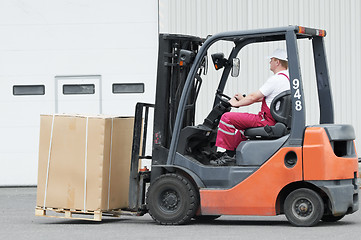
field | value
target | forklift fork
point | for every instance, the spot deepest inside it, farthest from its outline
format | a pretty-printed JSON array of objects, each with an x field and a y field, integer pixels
[{"x": 139, "y": 177}]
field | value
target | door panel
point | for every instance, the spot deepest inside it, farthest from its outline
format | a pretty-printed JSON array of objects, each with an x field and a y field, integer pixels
[{"x": 78, "y": 94}]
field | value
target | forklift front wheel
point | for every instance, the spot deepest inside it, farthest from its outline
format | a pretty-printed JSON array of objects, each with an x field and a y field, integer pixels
[
  {"x": 303, "y": 207},
  {"x": 172, "y": 200}
]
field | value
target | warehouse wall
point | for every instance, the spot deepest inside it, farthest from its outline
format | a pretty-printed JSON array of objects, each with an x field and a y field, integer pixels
[
  {"x": 340, "y": 18},
  {"x": 48, "y": 43}
]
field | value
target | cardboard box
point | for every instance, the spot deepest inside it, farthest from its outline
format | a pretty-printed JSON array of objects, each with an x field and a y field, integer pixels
[{"x": 84, "y": 162}]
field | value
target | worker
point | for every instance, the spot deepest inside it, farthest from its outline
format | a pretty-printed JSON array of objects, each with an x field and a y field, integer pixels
[{"x": 233, "y": 124}]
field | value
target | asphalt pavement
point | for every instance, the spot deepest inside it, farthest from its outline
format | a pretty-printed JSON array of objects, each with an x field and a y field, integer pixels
[{"x": 18, "y": 221}]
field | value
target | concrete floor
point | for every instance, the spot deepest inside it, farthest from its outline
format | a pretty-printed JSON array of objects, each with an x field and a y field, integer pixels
[{"x": 18, "y": 221}]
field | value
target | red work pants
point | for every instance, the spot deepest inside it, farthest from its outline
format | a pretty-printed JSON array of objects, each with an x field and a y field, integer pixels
[{"x": 232, "y": 125}]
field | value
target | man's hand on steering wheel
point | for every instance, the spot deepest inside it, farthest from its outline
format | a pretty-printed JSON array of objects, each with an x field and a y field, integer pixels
[
  {"x": 233, "y": 102},
  {"x": 237, "y": 97},
  {"x": 228, "y": 101}
]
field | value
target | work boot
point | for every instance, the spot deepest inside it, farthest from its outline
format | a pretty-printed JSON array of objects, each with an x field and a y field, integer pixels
[{"x": 224, "y": 160}]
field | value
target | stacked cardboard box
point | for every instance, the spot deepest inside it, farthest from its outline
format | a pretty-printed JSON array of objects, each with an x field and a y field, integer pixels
[{"x": 84, "y": 162}]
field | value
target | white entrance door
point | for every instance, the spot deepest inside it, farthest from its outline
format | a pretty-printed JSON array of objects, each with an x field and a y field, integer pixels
[{"x": 78, "y": 94}]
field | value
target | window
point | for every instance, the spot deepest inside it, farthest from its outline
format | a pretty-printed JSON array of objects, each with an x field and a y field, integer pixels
[
  {"x": 28, "y": 90},
  {"x": 128, "y": 88},
  {"x": 73, "y": 89}
]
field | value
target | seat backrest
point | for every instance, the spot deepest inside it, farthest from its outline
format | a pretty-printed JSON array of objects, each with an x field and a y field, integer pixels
[{"x": 281, "y": 108}]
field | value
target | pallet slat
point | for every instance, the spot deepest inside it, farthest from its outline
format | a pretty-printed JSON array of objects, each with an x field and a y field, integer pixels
[{"x": 74, "y": 213}]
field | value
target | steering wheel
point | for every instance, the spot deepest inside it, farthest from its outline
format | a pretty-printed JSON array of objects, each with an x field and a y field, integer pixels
[{"x": 224, "y": 99}]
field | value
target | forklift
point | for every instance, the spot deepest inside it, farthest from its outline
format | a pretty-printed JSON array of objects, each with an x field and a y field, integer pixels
[{"x": 307, "y": 173}]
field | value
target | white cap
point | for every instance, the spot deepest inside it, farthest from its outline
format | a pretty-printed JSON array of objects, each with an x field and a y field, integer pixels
[{"x": 279, "y": 54}]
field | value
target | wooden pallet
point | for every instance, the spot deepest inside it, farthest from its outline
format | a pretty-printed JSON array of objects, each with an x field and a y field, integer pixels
[{"x": 75, "y": 214}]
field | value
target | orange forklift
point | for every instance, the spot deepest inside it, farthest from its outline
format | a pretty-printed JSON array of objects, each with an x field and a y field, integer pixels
[{"x": 308, "y": 173}]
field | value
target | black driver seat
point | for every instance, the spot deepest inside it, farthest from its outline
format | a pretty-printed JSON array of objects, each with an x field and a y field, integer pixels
[{"x": 281, "y": 111}]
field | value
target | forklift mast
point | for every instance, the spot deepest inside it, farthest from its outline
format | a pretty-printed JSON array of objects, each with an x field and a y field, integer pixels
[
  {"x": 176, "y": 52},
  {"x": 173, "y": 69}
]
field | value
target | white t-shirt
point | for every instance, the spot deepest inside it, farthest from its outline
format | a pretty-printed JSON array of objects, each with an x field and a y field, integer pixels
[{"x": 274, "y": 86}]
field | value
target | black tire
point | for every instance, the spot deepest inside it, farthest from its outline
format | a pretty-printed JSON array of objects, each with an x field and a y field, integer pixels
[
  {"x": 206, "y": 218},
  {"x": 172, "y": 200},
  {"x": 304, "y": 207},
  {"x": 331, "y": 218}
]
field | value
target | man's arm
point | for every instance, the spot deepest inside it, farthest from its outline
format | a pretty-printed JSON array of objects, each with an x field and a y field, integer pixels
[{"x": 239, "y": 101}]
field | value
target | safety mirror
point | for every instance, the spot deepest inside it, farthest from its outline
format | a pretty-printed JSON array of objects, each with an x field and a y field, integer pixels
[
  {"x": 236, "y": 67},
  {"x": 218, "y": 60}
]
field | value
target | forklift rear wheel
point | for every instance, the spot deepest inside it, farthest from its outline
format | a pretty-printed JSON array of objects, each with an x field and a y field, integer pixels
[
  {"x": 172, "y": 199},
  {"x": 303, "y": 207}
]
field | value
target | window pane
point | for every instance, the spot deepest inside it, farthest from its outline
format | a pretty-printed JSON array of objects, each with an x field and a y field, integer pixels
[
  {"x": 79, "y": 89},
  {"x": 128, "y": 88},
  {"x": 28, "y": 90}
]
